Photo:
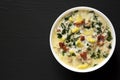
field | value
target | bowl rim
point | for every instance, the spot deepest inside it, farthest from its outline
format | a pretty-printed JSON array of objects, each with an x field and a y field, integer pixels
[{"x": 113, "y": 42}]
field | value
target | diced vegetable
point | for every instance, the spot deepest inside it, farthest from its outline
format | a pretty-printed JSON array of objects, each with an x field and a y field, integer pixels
[
  {"x": 88, "y": 32},
  {"x": 82, "y": 38},
  {"x": 84, "y": 55},
  {"x": 71, "y": 19},
  {"x": 83, "y": 66},
  {"x": 63, "y": 46},
  {"x": 91, "y": 40},
  {"x": 100, "y": 38},
  {"x": 75, "y": 29},
  {"x": 79, "y": 43}
]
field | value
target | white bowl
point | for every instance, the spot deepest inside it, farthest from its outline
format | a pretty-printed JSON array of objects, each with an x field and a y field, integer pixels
[{"x": 100, "y": 64}]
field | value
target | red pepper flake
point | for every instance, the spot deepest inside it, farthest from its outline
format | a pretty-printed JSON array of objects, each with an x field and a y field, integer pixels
[{"x": 84, "y": 55}]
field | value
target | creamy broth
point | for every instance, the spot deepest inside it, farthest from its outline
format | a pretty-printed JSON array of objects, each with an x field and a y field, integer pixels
[{"x": 82, "y": 39}]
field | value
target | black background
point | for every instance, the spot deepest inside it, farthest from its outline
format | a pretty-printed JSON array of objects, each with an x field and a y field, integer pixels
[{"x": 24, "y": 40}]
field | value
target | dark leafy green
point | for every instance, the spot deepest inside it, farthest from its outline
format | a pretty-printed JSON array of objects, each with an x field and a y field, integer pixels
[
  {"x": 99, "y": 30},
  {"x": 110, "y": 46},
  {"x": 109, "y": 36},
  {"x": 59, "y": 35},
  {"x": 75, "y": 11},
  {"x": 89, "y": 49},
  {"x": 105, "y": 55},
  {"x": 64, "y": 31},
  {"x": 66, "y": 18},
  {"x": 63, "y": 26},
  {"x": 93, "y": 55}
]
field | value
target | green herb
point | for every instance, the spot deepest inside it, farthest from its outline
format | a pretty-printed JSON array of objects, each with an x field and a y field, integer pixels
[
  {"x": 70, "y": 24},
  {"x": 88, "y": 44},
  {"x": 67, "y": 41},
  {"x": 78, "y": 32},
  {"x": 95, "y": 17},
  {"x": 74, "y": 43},
  {"x": 73, "y": 54},
  {"x": 78, "y": 51},
  {"x": 87, "y": 27},
  {"x": 63, "y": 53},
  {"x": 105, "y": 55},
  {"x": 66, "y": 18},
  {"x": 62, "y": 25},
  {"x": 93, "y": 55},
  {"x": 75, "y": 11},
  {"x": 109, "y": 46},
  {"x": 59, "y": 35},
  {"x": 71, "y": 40},
  {"x": 99, "y": 51},
  {"x": 91, "y": 12},
  {"x": 109, "y": 36},
  {"x": 89, "y": 49},
  {"x": 63, "y": 31},
  {"x": 69, "y": 45},
  {"x": 99, "y": 23},
  {"x": 95, "y": 65},
  {"x": 99, "y": 30},
  {"x": 68, "y": 37},
  {"x": 92, "y": 25},
  {"x": 97, "y": 56}
]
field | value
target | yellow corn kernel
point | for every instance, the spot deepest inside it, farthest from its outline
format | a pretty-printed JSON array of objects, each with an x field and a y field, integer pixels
[
  {"x": 71, "y": 19},
  {"x": 91, "y": 40},
  {"x": 78, "y": 19},
  {"x": 88, "y": 32},
  {"x": 79, "y": 43},
  {"x": 75, "y": 29},
  {"x": 71, "y": 51},
  {"x": 83, "y": 66},
  {"x": 63, "y": 38}
]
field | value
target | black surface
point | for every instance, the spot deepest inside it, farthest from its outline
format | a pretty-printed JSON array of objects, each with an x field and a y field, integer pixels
[{"x": 24, "y": 40}]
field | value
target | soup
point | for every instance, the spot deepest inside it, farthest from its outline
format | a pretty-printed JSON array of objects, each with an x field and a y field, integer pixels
[{"x": 82, "y": 39}]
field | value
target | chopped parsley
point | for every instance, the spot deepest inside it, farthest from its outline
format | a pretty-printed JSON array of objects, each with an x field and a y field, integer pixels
[
  {"x": 109, "y": 36},
  {"x": 64, "y": 31},
  {"x": 59, "y": 35},
  {"x": 99, "y": 30},
  {"x": 89, "y": 49},
  {"x": 105, "y": 55},
  {"x": 109, "y": 46}
]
